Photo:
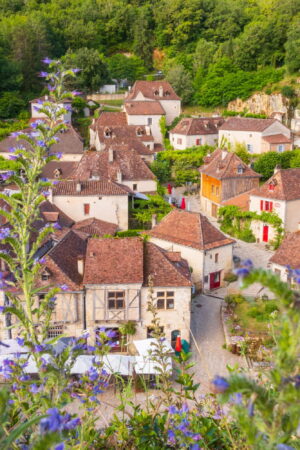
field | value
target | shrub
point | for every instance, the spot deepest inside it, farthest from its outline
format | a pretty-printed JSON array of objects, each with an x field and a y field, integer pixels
[
  {"x": 246, "y": 235},
  {"x": 230, "y": 277}
]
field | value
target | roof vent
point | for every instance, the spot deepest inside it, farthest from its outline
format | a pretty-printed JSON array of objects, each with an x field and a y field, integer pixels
[
  {"x": 161, "y": 91},
  {"x": 119, "y": 176}
]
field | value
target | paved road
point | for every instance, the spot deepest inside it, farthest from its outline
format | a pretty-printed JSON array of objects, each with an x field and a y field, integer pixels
[{"x": 210, "y": 358}]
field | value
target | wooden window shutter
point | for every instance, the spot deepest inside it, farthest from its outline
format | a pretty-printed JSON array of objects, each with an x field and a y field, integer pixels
[{"x": 261, "y": 205}]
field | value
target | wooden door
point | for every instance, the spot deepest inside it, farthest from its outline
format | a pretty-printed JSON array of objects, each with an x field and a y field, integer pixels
[
  {"x": 214, "y": 210},
  {"x": 265, "y": 233}
]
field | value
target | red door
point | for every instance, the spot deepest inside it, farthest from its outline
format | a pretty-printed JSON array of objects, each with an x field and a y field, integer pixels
[
  {"x": 265, "y": 233},
  {"x": 214, "y": 280}
]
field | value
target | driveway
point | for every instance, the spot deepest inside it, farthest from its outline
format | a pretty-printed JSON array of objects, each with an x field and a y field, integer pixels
[{"x": 207, "y": 342}]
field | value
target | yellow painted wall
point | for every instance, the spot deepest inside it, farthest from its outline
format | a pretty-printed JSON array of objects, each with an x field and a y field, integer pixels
[{"x": 208, "y": 191}]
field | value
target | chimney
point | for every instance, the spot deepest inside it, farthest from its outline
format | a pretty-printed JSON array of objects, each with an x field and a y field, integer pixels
[
  {"x": 298, "y": 226},
  {"x": 224, "y": 153},
  {"x": 110, "y": 155},
  {"x": 277, "y": 168},
  {"x": 119, "y": 176},
  {"x": 161, "y": 91},
  {"x": 80, "y": 264},
  {"x": 78, "y": 187},
  {"x": 154, "y": 220}
]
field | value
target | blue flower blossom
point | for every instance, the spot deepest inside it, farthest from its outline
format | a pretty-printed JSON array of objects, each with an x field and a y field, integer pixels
[
  {"x": 39, "y": 348},
  {"x": 4, "y": 233},
  {"x": 56, "y": 226},
  {"x": 20, "y": 341},
  {"x": 60, "y": 446},
  {"x": 242, "y": 272},
  {"x": 47, "y": 60},
  {"x": 64, "y": 287},
  {"x": 43, "y": 74},
  {"x": 220, "y": 384}
]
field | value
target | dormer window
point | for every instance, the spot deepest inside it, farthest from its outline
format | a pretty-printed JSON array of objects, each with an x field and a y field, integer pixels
[
  {"x": 272, "y": 185},
  {"x": 240, "y": 169},
  {"x": 156, "y": 92},
  {"x": 45, "y": 275},
  {"x": 57, "y": 173},
  {"x": 139, "y": 132},
  {"x": 107, "y": 132},
  {"x": 167, "y": 93}
]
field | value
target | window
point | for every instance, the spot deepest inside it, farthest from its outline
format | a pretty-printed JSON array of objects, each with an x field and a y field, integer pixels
[
  {"x": 116, "y": 300},
  {"x": 217, "y": 190},
  {"x": 55, "y": 330},
  {"x": 41, "y": 298},
  {"x": 86, "y": 208},
  {"x": 45, "y": 275},
  {"x": 266, "y": 205},
  {"x": 216, "y": 257},
  {"x": 240, "y": 169},
  {"x": 271, "y": 187},
  {"x": 134, "y": 187},
  {"x": 212, "y": 189},
  {"x": 139, "y": 132},
  {"x": 250, "y": 148},
  {"x": 280, "y": 148},
  {"x": 149, "y": 121},
  {"x": 165, "y": 300},
  {"x": 179, "y": 141},
  {"x": 198, "y": 141},
  {"x": 277, "y": 271}
]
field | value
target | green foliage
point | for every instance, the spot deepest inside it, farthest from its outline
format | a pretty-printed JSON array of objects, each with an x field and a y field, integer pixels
[
  {"x": 11, "y": 104},
  {"x": 123, "y": 67},
  {"x": 228, "y": 113},
  {"x": 230, "y": 277},
  {"x": 8, "y": 126},
  {"x": 288, "y": 91},
  {"x": 6, "y": 164},
  {"x": 128, "y": 233},
  {"x": 266, "y": 163},
  {"x": 292, "y": 58},
  {"x": 145, "y": 209},
  {"x": 181, "y": 81},
  {"x": 161, "y": 170},
  {"x": 295, "y": 160}
]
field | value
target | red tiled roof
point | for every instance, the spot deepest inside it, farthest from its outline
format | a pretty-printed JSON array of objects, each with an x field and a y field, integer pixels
[
  {"x": 247, "y": 124},
  {"x": 69, "y": 142},
  {"x": 221, "y": 164},
  {"x": 277, "y": 139},
  {"x": 241, "y": 200},
  {"x": 151, "y": 89},
  {"x": 286, "y": 186},
  {"x": 98, "y": 164},
  {"x": 47, "y": 208},
  {"x": 138, "y": 108},
  {"x": 133, "y": 144},
  {"x": 289, "y": 251},
  {"x": 60, "y": 170},
  {"x": 189, "y": 229},
  {"x": 95, "y": 227},
  {"x": 92, "y": 187},
  {"x": 165, "y": 268},
  {"x": 114, "y": 261},
  {"x": 198, "y": 126},
  {"x": 62, "y": 262},
  {"x": 107, "y": 118},
  {"x": 122, "y": 133}
]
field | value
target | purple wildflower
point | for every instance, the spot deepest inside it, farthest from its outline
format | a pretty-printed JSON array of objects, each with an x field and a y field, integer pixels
[
  {"x": 7, "y": 175},
  {"x": 13, "y": 157},
  {"x": 284, "y": 447},
  {"x": 43, "y": 74},
  {"x": 52, "y": 423},
  {"x": 59, "y": 446},
  {"x": 172, "y": 409},
  {"x": 24, "y": 377},
  {"x": 171, "y": 437},
  {"x": 236, "y": 398},
  {"x": 45, "y": 193},
  {"x": 41, "y": 143},
  {"x": 251, "y": 409},
  {"x": 56, "y": 226},
  {"x": 64, "y": 287},
  {"x": 195, "y": 447},
  {"x": 242, "y": 272},
  {"x": 39, "y": 348},
  {"x": 52, "y": 299},
  {"x": 55, "y": 182},
  {"x": 75, "y": 71},
  {"x": 184, "y": 408},
  {"x": 75, "y": 93},
  {"x": 220, "y": 384},
  {"x": 34, "y": 388},
  {"x": 20, "y": 341},
  {"x": 42, "y": 260},
  {"x": 92, "y": 374},
  {"x": 47, "y": 60},
  {"x": 71, "y": 424},
  {"x": 58, "y": 155},
  {"x": 4, "y": 233}
]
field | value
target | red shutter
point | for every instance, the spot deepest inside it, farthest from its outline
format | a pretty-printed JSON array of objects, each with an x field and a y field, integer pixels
[
  {"x": 86, "y": 207},
  {"x": 271, "y": 206},
  {"x": 261, "y": 205},
  {"x": 267, "y": 204}
]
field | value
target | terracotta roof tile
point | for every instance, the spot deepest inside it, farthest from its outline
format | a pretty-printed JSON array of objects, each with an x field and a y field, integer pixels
[
  {"x": 277, "y": 139},
  {"x": 138, "y": 108},
  {"x": 92, "y": 187},
  {"x": 198, "y": 126},
  {"x": 116, "y": 133},
  {"x": 47, "y": 208},
  {"x": 62, "y": 262},
  {"x": 60, "y": 170},
  {"x": 189, "y": 229},
  {"x": 133, "y": 144},
  {"x": 289, "y": 251},
  {"x": 107, "y": 118},
  {"x": 247, "y": 124},
  {"x": 286, "y": 184},
  {"x": 221, "y": 164},
  {"x": 95, "y": 227},
  {"x": 100, "y": 164},
  {"x": 152, "y": 89},
  {"x": 241, "y": 200},
  {"x": 114, "y": 261}
]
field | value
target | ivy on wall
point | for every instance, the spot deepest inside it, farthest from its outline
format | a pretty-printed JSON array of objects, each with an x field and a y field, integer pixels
[{"x": 237, "y": 223}]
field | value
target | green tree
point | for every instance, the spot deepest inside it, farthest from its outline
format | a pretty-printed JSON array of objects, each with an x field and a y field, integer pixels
[
  {"x": 123, "y": 67},
  {"x": 181, "y": 81},
  {"x": 204, "y": 53},
  {"x": 266, "y": 163},
  {"x": 10, "y": 105},
  {"x": 292, "y": 45},
  {"x": 93, "y": 70},
  {"x": 143, "y": 41}
]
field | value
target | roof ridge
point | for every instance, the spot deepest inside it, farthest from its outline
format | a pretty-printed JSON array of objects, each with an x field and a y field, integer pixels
[{"x": 164, "y": 254}]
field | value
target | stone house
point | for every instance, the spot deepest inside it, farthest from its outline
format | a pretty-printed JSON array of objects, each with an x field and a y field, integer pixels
[
  {"x": 195, "y": 131},
  {"x": 111, "y": 128},
  {"x": 108, "y": 286},
  {"x": 37, "y": 102},
  {"x": 207, "y": 250},
  {"x": 286, "y": 257},
  {"x": 120, "y": 165},
  {"x": 159, "y": 91},
  {"x": 58, "y": 170},
  {"x": 281, "y": 195},
  {"x": 146, "y": 113},
  {"x": 70, "y": 145},
  {"x": 258, "y": 135},
  {"x": 223, "y": 177},
  {"x": 116, "y": 278},
  {"x": 102, "y": 199}
]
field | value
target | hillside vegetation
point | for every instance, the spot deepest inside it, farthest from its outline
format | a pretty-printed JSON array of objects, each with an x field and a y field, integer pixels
[{"x": 211, "y": 50}]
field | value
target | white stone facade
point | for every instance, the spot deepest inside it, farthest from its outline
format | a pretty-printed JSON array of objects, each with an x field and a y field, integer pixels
[
  {"x": 183, "y": 141},
  {"x": 148, "y": 120}
]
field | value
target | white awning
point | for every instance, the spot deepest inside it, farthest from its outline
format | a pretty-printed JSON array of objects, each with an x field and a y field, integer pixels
[
  {"x": 140, "y": 196},
  {"x": 146, "y": 347}
]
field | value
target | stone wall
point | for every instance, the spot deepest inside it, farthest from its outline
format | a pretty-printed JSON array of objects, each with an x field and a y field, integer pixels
[{"x": 261, "y": 103}]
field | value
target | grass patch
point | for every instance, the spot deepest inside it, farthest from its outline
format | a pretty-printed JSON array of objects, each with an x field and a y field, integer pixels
[
  {"x": 254, "y": 316},
  {"x": 199, "y": 110},
  {"x": 116, "y": 102}
]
